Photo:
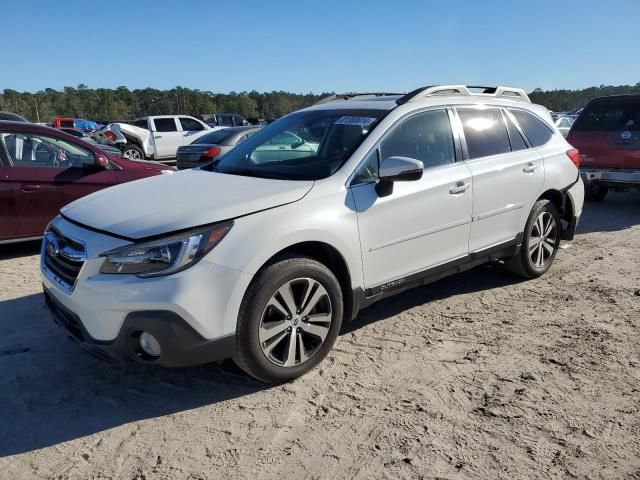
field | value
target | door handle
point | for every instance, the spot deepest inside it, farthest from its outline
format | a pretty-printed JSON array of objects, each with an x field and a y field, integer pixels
[
  {"x": 157, "y": 136},
  {"x": 29, "y": 187},
  {"x": 529, "y": 168},
  {"x": 460, "y": 187}
]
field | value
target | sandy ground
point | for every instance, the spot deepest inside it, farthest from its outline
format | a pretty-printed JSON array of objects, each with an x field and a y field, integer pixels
[{"x": 480, "y": 376}]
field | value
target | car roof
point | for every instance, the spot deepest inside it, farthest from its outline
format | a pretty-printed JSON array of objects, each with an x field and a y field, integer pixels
[{"x": 389, "y": 103}]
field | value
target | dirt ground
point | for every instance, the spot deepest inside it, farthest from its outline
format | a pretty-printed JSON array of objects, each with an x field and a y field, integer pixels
[{"x": 480, "y": 375}]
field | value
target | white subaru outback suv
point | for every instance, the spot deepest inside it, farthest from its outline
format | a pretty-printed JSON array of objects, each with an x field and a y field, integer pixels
[{"x": 262, "y": 255}]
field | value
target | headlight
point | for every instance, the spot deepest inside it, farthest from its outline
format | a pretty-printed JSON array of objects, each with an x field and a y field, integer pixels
[{"x": 166, "y": 256}]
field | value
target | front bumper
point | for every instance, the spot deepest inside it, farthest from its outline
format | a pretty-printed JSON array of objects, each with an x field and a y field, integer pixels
[
  {"x": 181, "y": 345},
  {"x": 611, "y": 177}
]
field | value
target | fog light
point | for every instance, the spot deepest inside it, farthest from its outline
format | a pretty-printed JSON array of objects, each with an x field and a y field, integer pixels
[{"x": 149, "y": 344}]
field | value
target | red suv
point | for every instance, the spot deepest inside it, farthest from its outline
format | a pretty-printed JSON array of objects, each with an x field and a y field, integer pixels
[
  {"x": 607, "y": 133},
  {"x": 42, "y": 169}
]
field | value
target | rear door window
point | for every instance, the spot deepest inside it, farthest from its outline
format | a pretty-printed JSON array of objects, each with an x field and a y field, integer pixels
[
  {"x": 609, "y": 116},
  {"x": 535, "y": 129},
  {"x": 485, "y": 132},
  {"x": 165, "y": 125},
  {"x": 141, "y": 123}
]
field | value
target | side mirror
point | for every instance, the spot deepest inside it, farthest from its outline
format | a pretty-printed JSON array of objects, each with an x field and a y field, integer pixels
[
  {"x": 101, "y": 162},
  {"x": 397, "y": 169}
]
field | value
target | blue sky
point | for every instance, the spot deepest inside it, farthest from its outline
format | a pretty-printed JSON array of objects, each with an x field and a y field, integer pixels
[{"x": 317, "y": 46}]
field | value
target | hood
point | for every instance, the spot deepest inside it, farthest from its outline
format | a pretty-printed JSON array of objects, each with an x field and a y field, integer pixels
[{"x": 166, "y": 203}]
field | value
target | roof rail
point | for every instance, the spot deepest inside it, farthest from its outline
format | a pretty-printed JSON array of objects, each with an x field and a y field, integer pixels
[
  {"x": 350, "y": 96},
  {"x": 467, "y": 90}
]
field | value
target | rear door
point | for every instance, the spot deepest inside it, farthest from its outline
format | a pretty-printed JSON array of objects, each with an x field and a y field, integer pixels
[
  {"x": 507, "y": 175},
  {"x": 8, "y": 218},
  {"x": 607, "y": 133},
  {"x": 167, "y": 136}
]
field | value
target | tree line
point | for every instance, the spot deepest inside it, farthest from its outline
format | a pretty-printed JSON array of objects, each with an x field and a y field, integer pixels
[{"x": 121, "y": 104}]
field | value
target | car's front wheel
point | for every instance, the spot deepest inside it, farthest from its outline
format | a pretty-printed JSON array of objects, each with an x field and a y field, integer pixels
[{"x": 289, "y": 319}]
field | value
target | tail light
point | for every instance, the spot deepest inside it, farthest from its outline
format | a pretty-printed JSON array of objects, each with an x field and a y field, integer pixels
[
  {"x": 110, "y": 135},
  {"x": 212, "y": 152},
  {"x": 574, "y": 155}
]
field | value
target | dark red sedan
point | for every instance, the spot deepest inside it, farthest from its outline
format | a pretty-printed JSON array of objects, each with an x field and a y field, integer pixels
[{"x": 42, "y": 169}]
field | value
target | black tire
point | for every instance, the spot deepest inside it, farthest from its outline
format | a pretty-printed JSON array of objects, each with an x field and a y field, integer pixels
[
  {"x": 522, "y": 264},
  {"x": 132, "y": 151},
  {"x": 249, "y": 354},
  {"x": 594, "y": 192}
]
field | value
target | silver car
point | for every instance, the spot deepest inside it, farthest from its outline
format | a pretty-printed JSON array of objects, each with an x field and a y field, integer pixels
[
  {"x": 212, "y": 145},
  {"x": 564, "y": 125}
]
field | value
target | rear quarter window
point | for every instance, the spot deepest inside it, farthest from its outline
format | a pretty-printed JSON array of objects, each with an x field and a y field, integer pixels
[{"x": 535, "y": 129}]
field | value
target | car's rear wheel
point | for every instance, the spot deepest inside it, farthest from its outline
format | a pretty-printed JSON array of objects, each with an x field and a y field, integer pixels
[
  {"x": 132, "y": 152},
  {"x": 289, "y": 319},
  {"x": 540, "y": 242},
  {"x": 594, "y": 192}
]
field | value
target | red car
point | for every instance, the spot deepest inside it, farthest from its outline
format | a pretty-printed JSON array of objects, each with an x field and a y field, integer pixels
[
  {"x": 62, "y": 122},
  {"x": 42, "y": 169},
  {"x": 607, "y": 133}
]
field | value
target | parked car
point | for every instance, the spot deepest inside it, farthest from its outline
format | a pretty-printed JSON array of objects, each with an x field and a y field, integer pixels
[
  {"x": 74, "y": 132},
  {"x": 564, "y": 124},
  {"x": 226, "y": 120},
  {"x": 156, "y": 137},
  {"x": 42, "y": 169},
  {"x": 261, "y": 257},
  {"x": 77, "y": 123},
  {"x": 13, "y": 117},
  {"x": 607, "y": 133},
  {"x": 211, "y": 146}
]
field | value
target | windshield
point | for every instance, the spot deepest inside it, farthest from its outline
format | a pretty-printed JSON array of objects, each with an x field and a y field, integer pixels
[
  {"x": 212, "y": 138},
  {"x": 306, "y": 145},
  {"x": 609, "y": 116}
]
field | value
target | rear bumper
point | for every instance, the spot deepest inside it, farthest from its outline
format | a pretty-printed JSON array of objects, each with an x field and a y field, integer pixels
[
  {"x": 181, "y": 344},
  {"x": 611, "y": 177}
]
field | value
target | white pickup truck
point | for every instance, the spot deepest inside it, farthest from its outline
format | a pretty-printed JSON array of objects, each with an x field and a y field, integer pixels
[{"x": 154, "y": 137}]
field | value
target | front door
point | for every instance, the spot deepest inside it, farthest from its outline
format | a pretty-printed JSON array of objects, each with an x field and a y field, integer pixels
[
  {"x": 45, "y": 173},
  {"x": 421, "y": 224}
]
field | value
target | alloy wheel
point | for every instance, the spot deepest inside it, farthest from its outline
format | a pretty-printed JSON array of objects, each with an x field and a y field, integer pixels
[
  {"x": 131, "y": 154},
  {"x": 542, "y": 242},
  {"x": 295, "y": 322}
]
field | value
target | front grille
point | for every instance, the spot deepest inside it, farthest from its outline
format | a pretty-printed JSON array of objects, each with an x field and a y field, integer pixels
[
  {"x": 63, "y": 257},
  {"x": 64, "y": 317}
]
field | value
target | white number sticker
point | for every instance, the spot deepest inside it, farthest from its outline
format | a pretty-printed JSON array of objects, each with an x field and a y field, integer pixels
[{"x": 355, "y": 121}]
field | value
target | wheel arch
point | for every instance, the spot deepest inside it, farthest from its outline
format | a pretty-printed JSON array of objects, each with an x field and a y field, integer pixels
[
  {"x": 565, "y": 207},
  {"x": 330, "y": 257}
]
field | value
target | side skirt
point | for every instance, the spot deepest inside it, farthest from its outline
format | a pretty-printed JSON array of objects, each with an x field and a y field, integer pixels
[{"x": 364, "y": 298}]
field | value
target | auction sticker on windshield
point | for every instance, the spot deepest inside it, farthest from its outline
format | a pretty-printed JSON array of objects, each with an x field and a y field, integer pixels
[{"x": 356, "y": 121}]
